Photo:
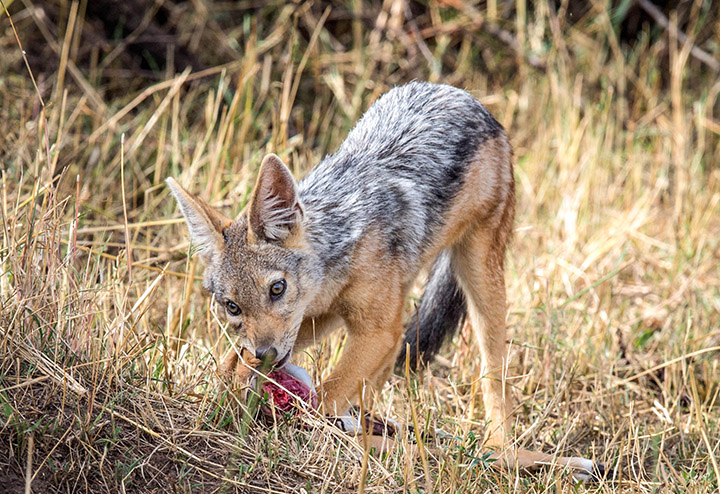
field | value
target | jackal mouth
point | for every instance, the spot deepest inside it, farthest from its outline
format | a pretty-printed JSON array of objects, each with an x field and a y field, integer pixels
[{"x": 281, "y": 363}]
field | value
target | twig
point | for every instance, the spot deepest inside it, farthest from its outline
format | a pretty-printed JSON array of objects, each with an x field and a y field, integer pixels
[
  {"x": 24, "y": 55},
  {"x": 663, "y": 21},
  {"x": 28, "y": 467},
  {"x": 141, "y": 224},
  {"x": 668, "y": 363},
  {"x": 76, "y": 73},
  {"x": 46, "y": 365},
  {"x": 147, "y": 92},
  {"x": 366, "y": 446},
  {"x": 416, "y": 423},
  {"x": 128, "y": 241},
  {"x": 136, "y": 265},
  {"x": 478, "y": 22},
  {"x": 57, "y": 443},
  {"x": 25, "y": 383}
]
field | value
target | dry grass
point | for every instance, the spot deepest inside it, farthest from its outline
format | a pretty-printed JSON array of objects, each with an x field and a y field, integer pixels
[{"x": 107, "y": 346}]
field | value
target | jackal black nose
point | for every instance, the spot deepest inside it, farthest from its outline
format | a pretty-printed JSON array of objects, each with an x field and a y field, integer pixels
[{"x": 267, "y": 354}]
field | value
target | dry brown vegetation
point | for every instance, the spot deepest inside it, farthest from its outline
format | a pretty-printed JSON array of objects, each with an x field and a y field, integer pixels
[{"x": 108, "y": 348}]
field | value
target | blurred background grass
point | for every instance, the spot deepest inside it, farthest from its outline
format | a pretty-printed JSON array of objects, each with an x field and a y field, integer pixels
[{"x": 108, "y": 347}]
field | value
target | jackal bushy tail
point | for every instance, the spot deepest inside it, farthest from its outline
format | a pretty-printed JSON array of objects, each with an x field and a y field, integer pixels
[{"x": 441, "y": 310}]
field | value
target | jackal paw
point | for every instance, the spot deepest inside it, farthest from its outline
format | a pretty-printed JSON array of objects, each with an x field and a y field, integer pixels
[
  {"x": 376, "y": 426},
  {"x": 584, "y": 470},
  {"x": 346, "y": 423}
]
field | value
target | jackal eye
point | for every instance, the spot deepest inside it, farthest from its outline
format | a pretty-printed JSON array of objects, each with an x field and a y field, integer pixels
[
  {"x": 277, "y": 289},
  {"x": 232, "y": 308}
]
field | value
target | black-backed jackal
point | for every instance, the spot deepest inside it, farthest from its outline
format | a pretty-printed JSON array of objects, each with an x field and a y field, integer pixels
[{"x": 424, "y": 178}]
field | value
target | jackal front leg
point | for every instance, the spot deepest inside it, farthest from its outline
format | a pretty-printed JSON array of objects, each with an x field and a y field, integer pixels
[{"x": 370, "y": 350}]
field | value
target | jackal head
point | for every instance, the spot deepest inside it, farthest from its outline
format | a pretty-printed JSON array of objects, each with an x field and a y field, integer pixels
[{"x": 258, "y": 266}]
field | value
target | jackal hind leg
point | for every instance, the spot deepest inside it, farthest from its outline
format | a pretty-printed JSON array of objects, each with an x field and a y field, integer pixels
[{"x": 478, "y": 265}]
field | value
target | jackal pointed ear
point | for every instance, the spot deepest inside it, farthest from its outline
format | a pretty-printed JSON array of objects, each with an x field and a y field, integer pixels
[
  {"x": 205, "y": 223},
  {"x": 275, "y": 211}
]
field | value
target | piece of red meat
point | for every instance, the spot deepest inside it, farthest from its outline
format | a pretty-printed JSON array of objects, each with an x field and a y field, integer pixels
[{"x": 279, "y": 394}]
